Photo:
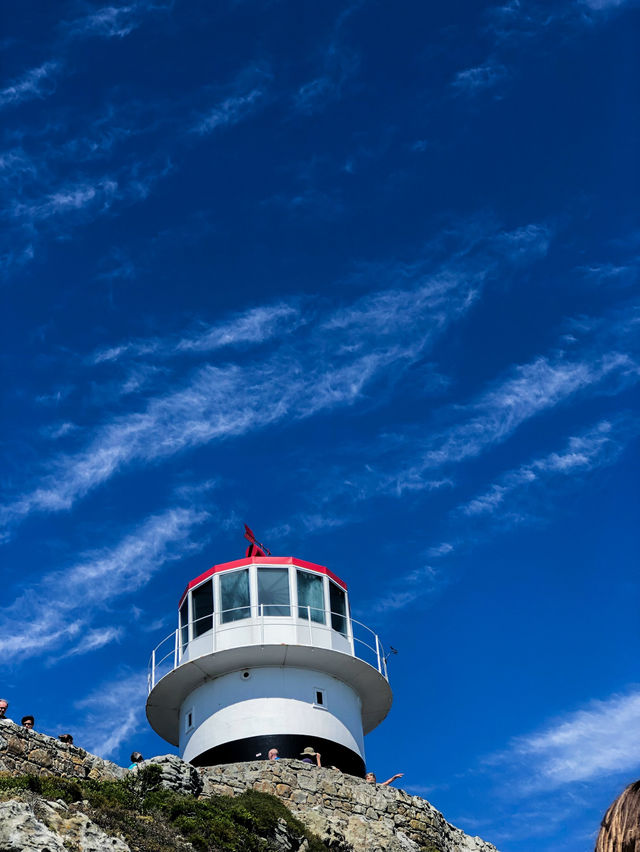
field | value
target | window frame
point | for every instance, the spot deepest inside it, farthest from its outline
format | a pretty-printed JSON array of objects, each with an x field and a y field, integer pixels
[
  {"x": 223, "y": 611},
  {"x": 299, "y": 606},
  {"x": 270, "y": 607},
  {"x": 322, "y": 704},
  {"x": 189, "y": 717},
  {"x": 197, "y": 629},
  {"x": 335, "y": 615}
]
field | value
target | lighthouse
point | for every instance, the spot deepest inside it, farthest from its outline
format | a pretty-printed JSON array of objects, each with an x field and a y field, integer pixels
[{"x": 266, "y": 655}]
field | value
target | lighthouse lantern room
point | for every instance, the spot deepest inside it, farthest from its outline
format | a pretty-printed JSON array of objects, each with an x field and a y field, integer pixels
[{"x": 266, "y": 655}]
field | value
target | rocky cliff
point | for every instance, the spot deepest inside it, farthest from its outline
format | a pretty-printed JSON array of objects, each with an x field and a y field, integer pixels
[{"x": 330, "y": 810}]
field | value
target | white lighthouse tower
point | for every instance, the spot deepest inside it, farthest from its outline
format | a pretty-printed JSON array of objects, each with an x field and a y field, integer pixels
[{"x": 266, "y": 655}]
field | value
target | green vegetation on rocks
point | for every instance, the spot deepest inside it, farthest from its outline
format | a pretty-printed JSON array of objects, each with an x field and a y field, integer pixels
[{"x": 151, "y": 819}]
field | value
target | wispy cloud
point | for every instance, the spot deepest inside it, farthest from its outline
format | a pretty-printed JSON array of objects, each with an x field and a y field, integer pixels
[
  {"x": 408, "y": 589},
  {"x": 217, "y": 403},
  {"x": 338, "y": 359},
  {"x": 15, "y": 165},
  {"x": 93, "y": 640},
  {"x": 45, "y": 204},
  {"x": 443, "y": 549},
  {"x": 120, "y": 268},
  {"x": 622, "y": 274},
  {"x": 229, "y": 111},
  {"x": 71, "y": 198},
  {"x": 530, "y": 390},
  {"x": 254, "y": 326},
  {"x": 596, "y": 741},
  {"x": 606, "y": 5},
  {"x": 600, "y": 361},
  {"x": 386, "y": 312},
  {"x": 505, "y": 501},
  {"x": 560, "y": 777},
  {"x": 64, "y": 603},
  {"x": 525, "y": 19},
  {"x": 595, "y": 447},
  {"x": 112, "y": 714},
  {"x": 524, "y": 243},
  {"x": 114, "y": 21},
  {"x": 480, "y": 78},
  {"x": 36, "y": 83},
  {"x": 339, "y": 64},
  {"x": 527, "y": 24},
  {"x": 305, "y": 523},
  {"x": 521, "y": 21}
]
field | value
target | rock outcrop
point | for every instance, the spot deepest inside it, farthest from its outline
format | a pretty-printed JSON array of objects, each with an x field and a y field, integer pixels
[
  {"x": 23, "y": 751},
  {"x": 41, "y": 826},
  {"x": 347, "y": 814},
  {"x": 344, "y": 811}
]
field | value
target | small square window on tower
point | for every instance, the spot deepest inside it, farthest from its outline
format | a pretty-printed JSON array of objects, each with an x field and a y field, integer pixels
[
  {"x": 319, "y": 698},
  {"x": 188, "y": 721}
]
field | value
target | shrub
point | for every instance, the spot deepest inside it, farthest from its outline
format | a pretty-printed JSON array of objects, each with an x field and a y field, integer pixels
[{"x": 152, "y": 819}]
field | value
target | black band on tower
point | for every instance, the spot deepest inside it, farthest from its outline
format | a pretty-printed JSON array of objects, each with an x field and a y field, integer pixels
[{"x": 289, "y": 746}]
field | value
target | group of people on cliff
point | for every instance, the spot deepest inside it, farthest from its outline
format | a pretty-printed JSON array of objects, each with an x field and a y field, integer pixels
[
  {"x": 28, "y": 721},
  {"x": 310, "y": 752}
]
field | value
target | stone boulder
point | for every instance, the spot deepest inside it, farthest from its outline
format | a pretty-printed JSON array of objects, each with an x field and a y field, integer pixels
[
  {"x": 41, "y": 826},
  {"x": 176, "y": 774}
]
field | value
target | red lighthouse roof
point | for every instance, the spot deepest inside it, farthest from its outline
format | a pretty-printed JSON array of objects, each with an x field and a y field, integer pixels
[{"x": 262, "y": 560}]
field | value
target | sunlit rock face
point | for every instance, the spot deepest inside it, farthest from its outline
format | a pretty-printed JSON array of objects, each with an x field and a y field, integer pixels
[
  {"x": 41, "y": 826},
  {"x": 348, "y": 814},
  {"x": 344, "y": 811},
  {"x": 23, "y": 751}
]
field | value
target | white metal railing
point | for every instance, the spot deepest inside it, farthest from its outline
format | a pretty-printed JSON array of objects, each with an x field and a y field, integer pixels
[{"x": 316, "y": 625}]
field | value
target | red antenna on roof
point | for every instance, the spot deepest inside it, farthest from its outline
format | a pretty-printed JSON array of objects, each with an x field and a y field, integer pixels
[{"x": 255, "y": 547}]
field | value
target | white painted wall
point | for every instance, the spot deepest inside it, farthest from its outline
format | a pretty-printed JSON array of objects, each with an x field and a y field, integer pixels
[{"x": 278, "y": 700}]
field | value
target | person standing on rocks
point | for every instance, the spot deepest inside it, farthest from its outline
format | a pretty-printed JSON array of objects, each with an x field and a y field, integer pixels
[
  {"x": 28, "y": 722},
  {"x": 273, "y": 754},
  {"x": 4, "y": 706}
]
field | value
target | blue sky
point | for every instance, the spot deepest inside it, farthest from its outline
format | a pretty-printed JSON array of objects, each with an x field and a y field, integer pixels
[{"x": 364, "y": 276}]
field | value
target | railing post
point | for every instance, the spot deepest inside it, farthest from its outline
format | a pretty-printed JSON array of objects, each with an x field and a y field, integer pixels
[
  {"x": 176, "y": 646},
  {"x": 153, "y": 668},
  {"x": 262, "y": 624},
  {"x": 350, "y": 637},
  {"x": 378, "y": 652},
  {"x": 309, "y": 620}
]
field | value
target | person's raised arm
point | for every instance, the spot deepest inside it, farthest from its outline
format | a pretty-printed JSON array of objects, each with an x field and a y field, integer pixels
[
  {"x": 318, "y": 759},
  {"x": 392, "y": 779}
]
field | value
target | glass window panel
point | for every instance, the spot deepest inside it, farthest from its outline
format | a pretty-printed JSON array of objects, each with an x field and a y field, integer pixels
[
  {"x": 184, "y": 623},
  {"x": 234, "y": 596},
  {"x": 338, "y": 609},
  {"x": 273, "y": 590},
  {"x": 310, "y": 594},
  {"x": 202, "y": 608}
]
